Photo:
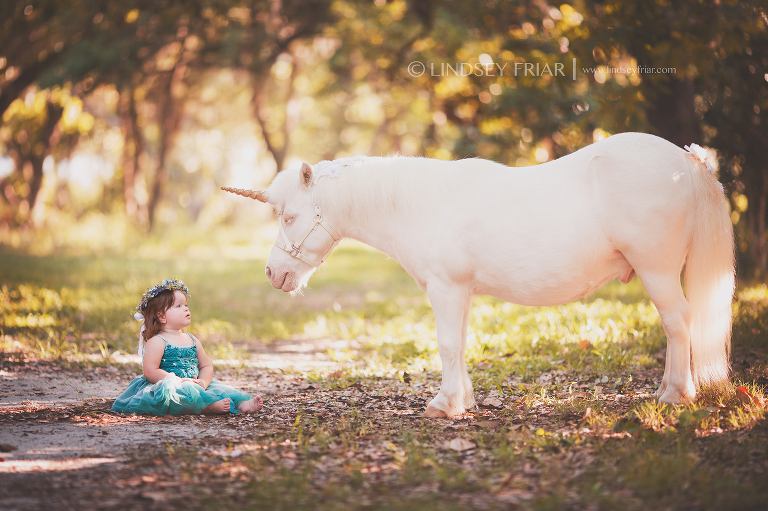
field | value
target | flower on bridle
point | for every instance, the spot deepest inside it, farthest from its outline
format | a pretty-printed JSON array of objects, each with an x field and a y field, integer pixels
[
  {"x": 700, "y": 154},
  {"x": 173, "y": 284}
]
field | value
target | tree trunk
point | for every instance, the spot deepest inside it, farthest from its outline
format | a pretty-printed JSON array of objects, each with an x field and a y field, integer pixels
[
  {"x": 290, "y": 117},
  {"x": 672, "y": 112},
  {"x": 757, "y": 219},
  {"x": 278, "y": 151},
  {"x": 170, "y": 112},
  {"x": 53, "y": 114},
  {"x": 134, "y": 146}
]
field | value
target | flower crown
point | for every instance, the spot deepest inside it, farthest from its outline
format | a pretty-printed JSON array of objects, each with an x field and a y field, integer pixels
[{"x": 173, "y": 284}]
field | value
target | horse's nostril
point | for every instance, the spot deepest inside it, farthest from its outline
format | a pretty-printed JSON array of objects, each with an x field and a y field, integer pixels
[{"x": 269, "y": 272}]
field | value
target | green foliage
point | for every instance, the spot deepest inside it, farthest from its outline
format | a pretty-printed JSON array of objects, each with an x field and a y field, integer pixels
[{"x": 317, "y": 80}]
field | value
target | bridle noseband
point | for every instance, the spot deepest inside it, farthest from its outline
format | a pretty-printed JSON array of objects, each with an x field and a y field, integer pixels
[{"x": 294, "y": 250}]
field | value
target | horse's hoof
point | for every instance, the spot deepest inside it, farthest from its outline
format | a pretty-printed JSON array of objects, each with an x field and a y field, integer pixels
[
  {"x": 675, "y": 397},
  {"x": 434, "y": 413}
]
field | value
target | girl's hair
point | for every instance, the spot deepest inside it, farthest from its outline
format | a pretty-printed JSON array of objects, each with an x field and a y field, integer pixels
[{"x": 157, "y": 305}]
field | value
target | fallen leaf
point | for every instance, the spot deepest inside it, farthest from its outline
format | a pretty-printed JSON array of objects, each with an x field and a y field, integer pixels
[
  {"x": 492, "y": 402},
  {"x": 744, "y": 396},
  {"x": 390, "y": 466},
  {"x": 513, "y": 495},
  {"x": 460, "y": 444},
  {"x": 7, "y": 448},
  {"x": 585, "y": 344},
  {"x": 375, "y": 455},
  {"x": 154, "y": 496},
  {"x": 579, "y": 395},
  {"x": 489, "y": 424}
]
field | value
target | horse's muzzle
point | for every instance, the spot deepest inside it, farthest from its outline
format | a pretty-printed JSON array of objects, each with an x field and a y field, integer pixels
[{"x": 284, "y": 280}]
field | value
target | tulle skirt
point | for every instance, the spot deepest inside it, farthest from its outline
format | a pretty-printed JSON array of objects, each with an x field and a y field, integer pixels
[{"x": 173, "y": 397}]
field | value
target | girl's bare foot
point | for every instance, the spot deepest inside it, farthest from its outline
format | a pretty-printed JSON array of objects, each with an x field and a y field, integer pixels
[
  {"x": 219, "y": 407},
  {"x": 250, "y": 406}
]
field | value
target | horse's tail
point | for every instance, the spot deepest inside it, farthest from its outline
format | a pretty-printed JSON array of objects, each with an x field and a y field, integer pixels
[{"x": 710, "y": 279}]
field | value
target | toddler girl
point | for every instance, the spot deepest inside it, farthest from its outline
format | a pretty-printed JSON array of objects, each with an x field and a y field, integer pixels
[{"x": 177, "y": 372}]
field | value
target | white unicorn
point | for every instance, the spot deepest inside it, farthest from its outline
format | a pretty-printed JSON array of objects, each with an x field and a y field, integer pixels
[{"x": 540, "y": 235}]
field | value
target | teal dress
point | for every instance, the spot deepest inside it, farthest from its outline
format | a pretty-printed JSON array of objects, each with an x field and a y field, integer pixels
[{"x": 173, "y": 397}]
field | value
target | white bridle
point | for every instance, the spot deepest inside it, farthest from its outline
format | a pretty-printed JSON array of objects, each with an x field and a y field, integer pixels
[
  {"x": 294, "y": 250},
  {"x": 286, "y": 244}
]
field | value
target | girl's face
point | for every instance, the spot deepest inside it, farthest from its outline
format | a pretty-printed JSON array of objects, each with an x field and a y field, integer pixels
[{"x": 178, "y": 316}]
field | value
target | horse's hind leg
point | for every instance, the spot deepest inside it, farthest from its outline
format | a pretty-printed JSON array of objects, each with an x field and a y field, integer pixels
[
  {"x": 666, "y": 293},
  {"x": 469, "y": 396},
  {"x": 451, "y": 305},
  {"x": 665, "y": 379}
]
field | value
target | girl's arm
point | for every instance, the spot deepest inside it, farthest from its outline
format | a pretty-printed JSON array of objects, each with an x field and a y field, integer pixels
[
  {"x": 153, "y": 354},
  {"x": 205, "y": 366}
]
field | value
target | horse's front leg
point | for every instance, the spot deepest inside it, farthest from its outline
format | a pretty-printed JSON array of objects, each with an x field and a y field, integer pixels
[{"x": 451, "y": 305}]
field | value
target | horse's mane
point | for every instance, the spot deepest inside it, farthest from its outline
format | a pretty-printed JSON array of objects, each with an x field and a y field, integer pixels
[
  {"x": 397, "y": 183},
  {"x": 384, "y": 184}
]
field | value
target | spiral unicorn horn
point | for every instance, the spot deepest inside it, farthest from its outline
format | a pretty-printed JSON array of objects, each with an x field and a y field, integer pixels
[{"x": 253, "y": 194}]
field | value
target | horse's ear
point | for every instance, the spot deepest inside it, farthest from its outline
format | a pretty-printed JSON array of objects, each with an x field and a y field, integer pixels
[{"x": 305, "y": 175}]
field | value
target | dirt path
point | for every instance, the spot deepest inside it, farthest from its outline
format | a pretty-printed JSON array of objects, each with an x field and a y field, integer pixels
[
  {"x": 62, "y": 448},
  {"x": 361, "y": 443},
  {"x": 49, "y": 412}
]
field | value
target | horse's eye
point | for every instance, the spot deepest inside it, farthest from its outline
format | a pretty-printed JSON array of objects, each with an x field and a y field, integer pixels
[{"x": 288, "y": 219}]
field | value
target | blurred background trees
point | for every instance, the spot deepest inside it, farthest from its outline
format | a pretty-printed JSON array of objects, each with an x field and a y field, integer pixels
[{"x": 123, "y": 118}]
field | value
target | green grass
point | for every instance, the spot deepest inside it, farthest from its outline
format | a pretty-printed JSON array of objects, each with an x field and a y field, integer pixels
[
  {"x": 57, "y": 299},
  {"x": 61, "y": 305},
  {"x": 564, "y": 440}
]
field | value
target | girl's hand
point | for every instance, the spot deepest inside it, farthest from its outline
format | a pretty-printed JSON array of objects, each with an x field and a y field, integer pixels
[
  {"x": 200, "y": 382},
  {"x": 188, "y": 379}
]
